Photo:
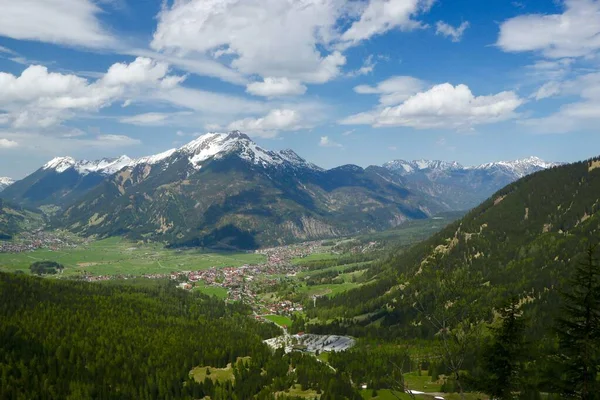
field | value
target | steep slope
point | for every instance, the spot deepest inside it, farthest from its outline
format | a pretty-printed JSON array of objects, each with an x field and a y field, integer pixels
[
  {"x": 222, "y": 189},
  {"x": 62, "y": 180},
  {"x": 522, "y": 241},
  {"x": 5, "y": 182},
  {"x": 462, "y": 188},
  {"x": 14, "y": 219}
]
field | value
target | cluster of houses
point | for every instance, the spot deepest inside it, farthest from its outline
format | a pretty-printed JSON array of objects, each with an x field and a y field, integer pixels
[{"x": 38, "y": 239}]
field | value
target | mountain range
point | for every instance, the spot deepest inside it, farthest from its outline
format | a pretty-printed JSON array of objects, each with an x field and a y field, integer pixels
[
  {"x": 224, "y": 190},
  {"x": 462, "y": 188}
]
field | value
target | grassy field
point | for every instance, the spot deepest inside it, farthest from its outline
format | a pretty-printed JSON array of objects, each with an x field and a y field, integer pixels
[
  {"x": 315, "y": 257},
  {"x": 116, "y": 255},
  {"x": 279, "y": 320},
  {"x": 216, "y": 374},
  {"x": 421, "y": 382},
  {"x": 216, "y": 291},
  {"x": 327, "y": 290}
]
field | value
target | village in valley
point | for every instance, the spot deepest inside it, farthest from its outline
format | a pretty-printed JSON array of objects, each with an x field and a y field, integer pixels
[{"x": 253, "y": 283}]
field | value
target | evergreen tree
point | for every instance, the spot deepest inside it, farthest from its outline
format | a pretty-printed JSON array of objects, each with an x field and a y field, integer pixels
[
  {"x": 503, "y": 359},
  {"x": 579, "y": 330}
]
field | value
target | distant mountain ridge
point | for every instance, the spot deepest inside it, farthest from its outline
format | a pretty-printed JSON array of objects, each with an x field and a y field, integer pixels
[{"x": 462, "y": 188}]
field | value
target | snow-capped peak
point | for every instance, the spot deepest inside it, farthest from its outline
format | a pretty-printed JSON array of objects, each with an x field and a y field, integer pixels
[
  {"x": 520, "y": 167},
  {"x": 60, "y": 164},
  {"x": 6, "y": 181},
  {"x": 216, "y": 145},
  {"x": 212, "y": 145},
  {"x": 105, "y": 166},
  {"x": 409, "y": 167}
]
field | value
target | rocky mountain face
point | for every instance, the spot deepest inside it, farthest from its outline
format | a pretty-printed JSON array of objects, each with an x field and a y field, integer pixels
[
  {"x": 224, "y": 190},
  {"x": 5, "y": 182},
  {"x": 459, "y": 187}
]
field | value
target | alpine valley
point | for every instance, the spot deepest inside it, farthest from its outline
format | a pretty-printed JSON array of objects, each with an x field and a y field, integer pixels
[{"x": 223, "y": 190}]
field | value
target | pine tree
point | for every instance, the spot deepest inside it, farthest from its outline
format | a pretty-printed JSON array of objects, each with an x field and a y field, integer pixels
[
  {"x": 579, "y": 331},
  {"x": 503, "y": 359}
]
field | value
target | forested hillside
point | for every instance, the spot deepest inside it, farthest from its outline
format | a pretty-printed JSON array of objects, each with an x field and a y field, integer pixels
[
  {"x": 522, "y": 241},
  {"x": 74, "y": 340}
]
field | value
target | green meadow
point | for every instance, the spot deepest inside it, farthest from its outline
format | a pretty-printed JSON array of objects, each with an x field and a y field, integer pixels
[{"x": 114, "y": 256}]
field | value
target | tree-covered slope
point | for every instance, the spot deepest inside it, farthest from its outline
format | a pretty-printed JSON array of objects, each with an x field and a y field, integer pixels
[
  {"x": 75, "y": 340},
  {"x": 14, "y": 219},
  {"x": 522, "y": 241}
]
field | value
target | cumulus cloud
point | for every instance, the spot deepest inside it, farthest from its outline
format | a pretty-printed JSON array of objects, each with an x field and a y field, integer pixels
[
  {"x": 449, "y": 31},
  {"x": 325, "y": 141},
  {"x": 393, "y": 90},
  {"x": 443, "y": 106},
  {"x": 7, "y": 144},
  {"x": 70, "y": 22},
  {"x": 299, "y": 40},
  {"x": 39, "y": 98},
  {"x": 269, "y": 125},
  {"x": 275, "y": 87},
  {"x": 573, "y": 33}
]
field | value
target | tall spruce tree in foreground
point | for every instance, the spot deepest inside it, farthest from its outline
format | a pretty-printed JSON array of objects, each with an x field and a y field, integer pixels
[
  {"x": 504, "y": 356},
  {"x": 579, "y": 331}
]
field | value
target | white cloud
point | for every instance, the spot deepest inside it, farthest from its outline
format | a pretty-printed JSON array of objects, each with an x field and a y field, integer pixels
[
  {"x": 380, "y": 16},
  {"x": 549, "y": 89},
  {"x": 367, "y": 67},
  {"x": 325, "y": 141},
  {"x": 393, "y": 90},
  {"x": 7, "y": 144},
  {"x": 6, "y": 50},
  {"x": 574, "y": 33},
  {"x": 271, "y": 38},
  {"x": 70, "y": 22},
  {"x": 275, "y": 87},
  {"x": 449, "y": 31},
  {"x": 116, "y": 140},
  {"x": 299, "y": 40},
  {"x": 583, "y": 114},
  {"x": 348, "y": 132},
  {"x": 39, "y": 98},
  {"x": 210, "y": 102},
  {"x": 151, "y": 118},
  {"x": 196, "y": 64},
  {"x": 443, "y": 106},
  {"x": 269, "y": 125}
]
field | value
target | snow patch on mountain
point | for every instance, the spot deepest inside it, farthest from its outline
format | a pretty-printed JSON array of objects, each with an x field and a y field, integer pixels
[
  {"x": 154, "y": 159},
  {"x": 105, "y": 166},
  {"x": 5, "y": 182},
  {"x": 217, "y": 145}
]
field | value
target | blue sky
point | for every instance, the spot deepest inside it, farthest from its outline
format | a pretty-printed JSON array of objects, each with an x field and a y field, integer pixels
[{"x": 338, "y": 81}]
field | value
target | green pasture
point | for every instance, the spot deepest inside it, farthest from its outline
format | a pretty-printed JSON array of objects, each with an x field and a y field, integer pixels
[{"x": 116, "y": 256}]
